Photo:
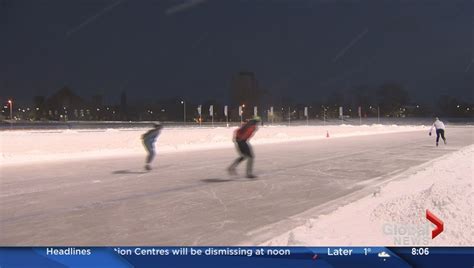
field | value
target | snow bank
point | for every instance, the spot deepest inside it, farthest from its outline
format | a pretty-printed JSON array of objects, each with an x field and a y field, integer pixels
[
  {"x": 395, "y": 214},
  {"x": 19, "y": 147}
]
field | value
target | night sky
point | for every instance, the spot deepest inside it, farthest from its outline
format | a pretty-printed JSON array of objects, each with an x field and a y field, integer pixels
[{"x": 299, "y": 48}]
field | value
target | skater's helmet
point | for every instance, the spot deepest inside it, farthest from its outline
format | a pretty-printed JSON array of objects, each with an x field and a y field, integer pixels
[{"x": 256, "y": 119}]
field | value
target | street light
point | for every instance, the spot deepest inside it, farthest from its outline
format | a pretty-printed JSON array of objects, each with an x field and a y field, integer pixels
[
  {"x": 184, "y": 111},
  {"x": 10, "y": 102}
]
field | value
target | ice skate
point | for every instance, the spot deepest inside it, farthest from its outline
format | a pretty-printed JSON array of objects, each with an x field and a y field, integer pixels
[{"x": 231, "y": 171}]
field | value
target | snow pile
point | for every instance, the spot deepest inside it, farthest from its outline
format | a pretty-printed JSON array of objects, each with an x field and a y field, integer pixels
[
  {"x": 396, "y": 213},
  {"x": 24, "y": 146}
]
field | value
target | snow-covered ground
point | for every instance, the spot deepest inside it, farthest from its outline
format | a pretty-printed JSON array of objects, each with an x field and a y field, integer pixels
[
  {"x": 394, "y": 214},
  {"x": 23, "y": 146},
  {"x": 189, "y": 199}
]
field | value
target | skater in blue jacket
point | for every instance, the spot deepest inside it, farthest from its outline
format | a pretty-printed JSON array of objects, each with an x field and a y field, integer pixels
[{"x": 149, "y": 139}]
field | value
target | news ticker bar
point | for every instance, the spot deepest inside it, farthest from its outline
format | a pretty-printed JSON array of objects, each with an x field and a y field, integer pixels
[{"x": 236, "y": 257}]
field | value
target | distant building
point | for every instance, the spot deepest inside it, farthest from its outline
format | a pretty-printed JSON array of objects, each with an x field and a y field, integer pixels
[
  {"x": 61, "y": 105},
  {"x": 97, "y": 100},
  {"x": 245, "y": 90}
]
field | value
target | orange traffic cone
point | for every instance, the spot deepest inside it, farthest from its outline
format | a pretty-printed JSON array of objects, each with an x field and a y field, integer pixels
[{"x": 327, "y": 134}]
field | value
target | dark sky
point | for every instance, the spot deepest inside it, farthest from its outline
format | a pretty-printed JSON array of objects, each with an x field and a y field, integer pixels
[{"x": 300, "y": 48}]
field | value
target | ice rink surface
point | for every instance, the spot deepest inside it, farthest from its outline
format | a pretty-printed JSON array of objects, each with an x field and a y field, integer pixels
[{"x": 189, "y": 199}]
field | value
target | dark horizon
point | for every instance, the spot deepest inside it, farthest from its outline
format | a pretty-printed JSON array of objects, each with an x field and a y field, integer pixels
[{"x": 192, "y": 49}]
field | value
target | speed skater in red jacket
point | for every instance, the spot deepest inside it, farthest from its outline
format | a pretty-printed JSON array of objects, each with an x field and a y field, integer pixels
[{"x": 241, "y": 136}]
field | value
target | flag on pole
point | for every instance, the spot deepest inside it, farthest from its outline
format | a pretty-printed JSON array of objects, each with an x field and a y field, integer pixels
[
  {"x": 199, "y": 109},
  {"x": 211, "y": 110},
  {"x": 306, "y": 111},
  {"x": 225, "y": 110},
  {"x": 359, "y": 111},
  {"x": 271, "y": 110},
  {"x": 240, "y": 110},
  {"x": 255, "y": 111},
  {"x": 340, "y": 111}
]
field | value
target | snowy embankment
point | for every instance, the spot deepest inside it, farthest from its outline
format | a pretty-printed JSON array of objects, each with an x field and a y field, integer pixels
[
  {"x": 23, "y": 146},
  {"x": 395, "y": 214}
]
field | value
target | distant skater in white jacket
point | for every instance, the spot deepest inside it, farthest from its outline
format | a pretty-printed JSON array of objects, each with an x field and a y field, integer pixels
[{"x": 439, "y": 126}]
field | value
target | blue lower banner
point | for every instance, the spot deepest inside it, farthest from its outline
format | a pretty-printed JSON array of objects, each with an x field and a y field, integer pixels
[{"x": 236, "y": 257}]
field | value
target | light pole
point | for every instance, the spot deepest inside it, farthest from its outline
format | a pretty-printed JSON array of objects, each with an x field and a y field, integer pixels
[
  {"x": 289, "y": 116},
  {"x": 226, "y": 115},
  {"x": 324, "y": 114},
  {"x": 184, "y": 111},
  {"x": 271, "y": 113},
  {"x": 10, "y": 103}
]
